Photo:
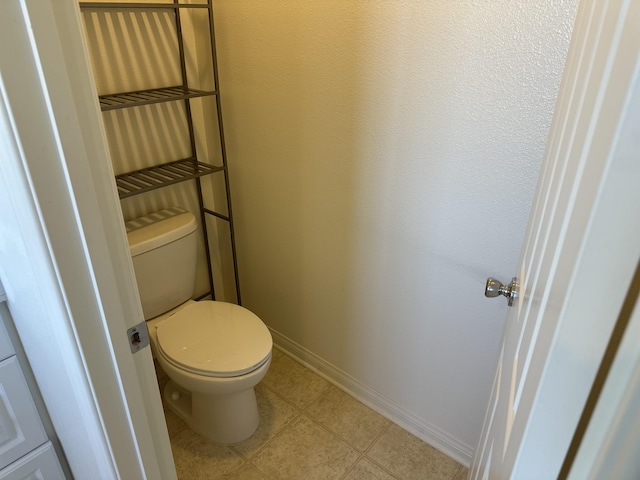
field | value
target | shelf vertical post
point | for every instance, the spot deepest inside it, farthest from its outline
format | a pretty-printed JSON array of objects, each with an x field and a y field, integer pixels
[
  {"x": 192, "y": 139},
  {"x": 223, "y": 151}
]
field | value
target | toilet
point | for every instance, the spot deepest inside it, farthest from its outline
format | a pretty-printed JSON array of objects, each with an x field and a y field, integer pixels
[{"x": 213, "y": 352}]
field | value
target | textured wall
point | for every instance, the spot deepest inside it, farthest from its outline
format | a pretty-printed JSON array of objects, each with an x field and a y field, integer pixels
[{"x": 384, "y": 157}]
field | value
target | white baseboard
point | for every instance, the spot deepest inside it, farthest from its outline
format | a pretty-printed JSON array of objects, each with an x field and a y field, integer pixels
[{"x": 387, "y": 408}]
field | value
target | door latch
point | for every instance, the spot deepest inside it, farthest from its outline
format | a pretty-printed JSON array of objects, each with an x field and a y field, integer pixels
[{"x": 138, "y": 337}]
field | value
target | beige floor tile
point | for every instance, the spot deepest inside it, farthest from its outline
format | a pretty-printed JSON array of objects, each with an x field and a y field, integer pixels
[
  {"x": 354, "y": 422},
  {"x": 276, "y": 353},
  {"x": 289, "y": 445},
  {"x": 367, "y": 470},
  {"x": 175, "y": 425},
  {"x": 409, "y": 458},
  {"x": 275, "y": 414},
  {"x": 462, "y": 474},
  {"x": 305, "y": 451},
  {"x": 245, "y": 472},
  {"x": 293, "y": 381},
  {"x": 197, "y": 458}
]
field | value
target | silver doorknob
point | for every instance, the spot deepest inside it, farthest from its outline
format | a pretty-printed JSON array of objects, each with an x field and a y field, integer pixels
[{"x": 495, "y": 288}]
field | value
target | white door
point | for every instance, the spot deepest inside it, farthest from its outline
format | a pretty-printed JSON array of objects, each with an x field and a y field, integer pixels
[
  {"x": 579, "y": 254},
  {"x": 64, "y": 258}
]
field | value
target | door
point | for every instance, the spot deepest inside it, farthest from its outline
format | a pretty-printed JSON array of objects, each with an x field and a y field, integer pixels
[
  {"x": 579, "y": 254},
  {"x": 64, "y": 259}
]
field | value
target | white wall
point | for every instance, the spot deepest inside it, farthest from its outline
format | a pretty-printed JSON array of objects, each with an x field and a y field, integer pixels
[{"x": 383, "y": 160}]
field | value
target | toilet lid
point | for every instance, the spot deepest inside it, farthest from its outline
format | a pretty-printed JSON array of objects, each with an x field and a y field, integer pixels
[{"x": 214, "y": 339}]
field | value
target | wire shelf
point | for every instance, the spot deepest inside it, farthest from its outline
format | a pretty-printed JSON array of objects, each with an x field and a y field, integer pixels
[
  {"x": 148, "y": 97},
  {"x": 147, "y": 179},
  {"x": 151, "y": 6}
]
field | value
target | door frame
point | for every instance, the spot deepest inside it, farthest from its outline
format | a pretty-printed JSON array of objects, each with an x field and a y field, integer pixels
[
  {"x": 64, "y": 257},
  {"x": 64, "y": 260}
]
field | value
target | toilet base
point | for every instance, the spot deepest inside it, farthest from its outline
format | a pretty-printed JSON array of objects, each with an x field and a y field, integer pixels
[{"x": 225, "y": 419}]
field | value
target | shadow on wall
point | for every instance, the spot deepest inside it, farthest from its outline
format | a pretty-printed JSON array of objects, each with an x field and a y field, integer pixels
[{"x": 135, "y": 50}]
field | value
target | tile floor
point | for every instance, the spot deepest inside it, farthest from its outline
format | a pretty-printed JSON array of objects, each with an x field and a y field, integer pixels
[{"x": 309, "y": 430}]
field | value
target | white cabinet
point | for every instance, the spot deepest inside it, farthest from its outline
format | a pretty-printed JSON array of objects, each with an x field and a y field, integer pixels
[
  {"x": 41, "y": 463},
  {"x": 25, "y": 450},
  {"x": 20, "y": 427},
  {"x": 6, "y": 347}
]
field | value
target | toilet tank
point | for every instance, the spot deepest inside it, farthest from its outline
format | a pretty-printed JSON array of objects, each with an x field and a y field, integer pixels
[{"x": 163, "y": 248}]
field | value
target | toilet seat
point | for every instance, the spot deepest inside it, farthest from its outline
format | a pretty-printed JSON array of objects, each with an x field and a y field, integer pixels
[{"x": 214, "y": 339}]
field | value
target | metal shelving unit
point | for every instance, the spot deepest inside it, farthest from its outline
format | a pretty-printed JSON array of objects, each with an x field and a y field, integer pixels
[{"x": 159, "y": 176}]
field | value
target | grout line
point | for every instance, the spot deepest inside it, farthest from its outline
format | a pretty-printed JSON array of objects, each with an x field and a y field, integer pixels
[
  {"x": 293, "y": 420},
  {"x": 352, "y": 467},
  {"x": 455, "y": 477},
  {"x": 262, "y": 474},
  {"x": 282, "y": 397},
  {"x": 311, "y": 400},
  {"x": 424, "y": 431},
  {"x": 366, "y": 453},
  {"x": 322, "y": 392},
  {"x": 334, "y": 434},
  {"x": 317, "y": 397},
  {"x": 303, "y": 411},
  {"x": 268, "y": 442},
  {"x": 375, "y": 440},
  {"x": 298, "y": 414},
  {"x": 363, "y": 454}
]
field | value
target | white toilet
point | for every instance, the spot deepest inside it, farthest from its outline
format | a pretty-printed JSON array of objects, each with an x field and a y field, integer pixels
[{"x": 213, "y": 352}]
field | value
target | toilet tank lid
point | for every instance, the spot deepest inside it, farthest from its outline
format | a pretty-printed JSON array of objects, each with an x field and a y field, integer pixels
[{"x": 159, "y": 228}]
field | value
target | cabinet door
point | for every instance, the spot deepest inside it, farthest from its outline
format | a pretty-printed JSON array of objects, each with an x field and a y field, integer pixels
[
  {"x": 6, "y": 347},
  {"x": 20, "y": 428},
  {"x": 42, "y": 463}
]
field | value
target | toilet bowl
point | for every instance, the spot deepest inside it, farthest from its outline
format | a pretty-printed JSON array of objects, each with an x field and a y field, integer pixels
[{"x": 214, "y": 353}]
